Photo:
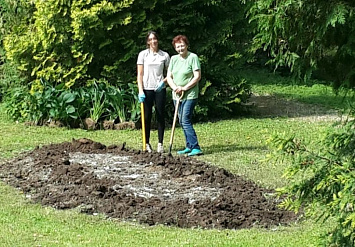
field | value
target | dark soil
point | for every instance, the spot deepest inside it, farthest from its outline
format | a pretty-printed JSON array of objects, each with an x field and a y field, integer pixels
[{"x": 148, "y": 188}]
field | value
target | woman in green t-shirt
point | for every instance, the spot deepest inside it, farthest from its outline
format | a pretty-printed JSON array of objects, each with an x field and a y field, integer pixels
[{"x": 184, "y": 73}]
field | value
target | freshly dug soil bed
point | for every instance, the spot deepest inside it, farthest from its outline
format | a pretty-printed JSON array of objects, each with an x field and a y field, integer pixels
[{"x": 148, "y": 188}]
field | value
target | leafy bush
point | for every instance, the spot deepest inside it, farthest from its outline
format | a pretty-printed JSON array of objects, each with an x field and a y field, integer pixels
[
  {"x": 9, "y": 76},
  {"x": 72, "y": 42},
  {"x": 53, "y": 103},
  {"x": 224, "y": 100},
  {"x": 98, "y": 101},
  {"x": 12, "y": 14},
  {"x": 322, "y": 181},
  {"x": 17, "y": 104}
]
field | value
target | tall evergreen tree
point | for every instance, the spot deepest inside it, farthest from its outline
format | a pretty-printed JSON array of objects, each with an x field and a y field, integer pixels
[{"x": 308, "y": 36}]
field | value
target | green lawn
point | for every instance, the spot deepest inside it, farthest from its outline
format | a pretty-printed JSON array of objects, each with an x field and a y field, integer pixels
[
  {"x": 238, "y": 145},
  {"x": 264, "y": 82},
  {"x": 26, "y": 224}
]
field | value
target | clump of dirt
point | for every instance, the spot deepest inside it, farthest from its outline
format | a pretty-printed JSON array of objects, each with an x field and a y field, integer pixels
[{"x": 148, "y": 188}]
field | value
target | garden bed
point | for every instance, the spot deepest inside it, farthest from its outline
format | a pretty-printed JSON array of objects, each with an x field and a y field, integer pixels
[{"x": 149, "y": 188}]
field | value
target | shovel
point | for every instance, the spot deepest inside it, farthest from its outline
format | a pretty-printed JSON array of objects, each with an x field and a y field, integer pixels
[
  {"x": 143, "y": 126},
  {"x": 174, "y": 122}
]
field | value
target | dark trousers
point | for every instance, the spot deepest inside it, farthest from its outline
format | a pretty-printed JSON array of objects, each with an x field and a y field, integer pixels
[{"x": 158, "y": 100}]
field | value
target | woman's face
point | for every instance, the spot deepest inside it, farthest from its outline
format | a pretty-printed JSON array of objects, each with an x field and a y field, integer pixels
[
  {"x": 181, "y": 48},
  {"x": 152, "y": 42}
]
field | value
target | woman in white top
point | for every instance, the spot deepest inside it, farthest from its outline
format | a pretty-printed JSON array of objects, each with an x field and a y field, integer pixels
[{"x": 152, "y": 64}]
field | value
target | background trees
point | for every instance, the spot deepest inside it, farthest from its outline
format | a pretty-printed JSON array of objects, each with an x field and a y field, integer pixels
[
  {"x": 76, "y": 42},
  {"x": 315, "y": 37},
  {"x": 309, "y": 36}
]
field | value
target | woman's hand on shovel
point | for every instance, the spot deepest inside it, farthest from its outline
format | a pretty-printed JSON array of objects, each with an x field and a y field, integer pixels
[
  {"x": 179, "y": 90},
  {"x": 141, "y": 97}
]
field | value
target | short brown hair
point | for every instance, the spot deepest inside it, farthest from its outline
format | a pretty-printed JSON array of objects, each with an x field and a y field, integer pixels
[{"x": 180, "y": 38}]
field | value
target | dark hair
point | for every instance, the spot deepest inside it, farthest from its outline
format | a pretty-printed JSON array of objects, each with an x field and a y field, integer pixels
[
  {"x": 180, "y": 38},
  {"x": 147, "y": 37}
]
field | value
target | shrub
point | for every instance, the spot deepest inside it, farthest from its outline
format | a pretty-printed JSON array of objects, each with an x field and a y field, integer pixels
[
  {"x": 9, "y": 76},
  {"x": 322, "y": 181},
  {"x": 98, "y": 101},
  {"x": 73, "y": 42},
  {"x": 17, "y": 104}
]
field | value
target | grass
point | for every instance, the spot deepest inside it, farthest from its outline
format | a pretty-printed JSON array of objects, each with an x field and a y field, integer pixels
[
  {"x": 317, "y": 92},
  {"x": 26, "y": 224},
  {"x": 238, "y": 145}
]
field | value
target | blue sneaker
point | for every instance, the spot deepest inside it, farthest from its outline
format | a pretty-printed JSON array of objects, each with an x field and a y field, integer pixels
[
  {"x": 185, "y": 151},
  {"x": 195, "y": 152}
]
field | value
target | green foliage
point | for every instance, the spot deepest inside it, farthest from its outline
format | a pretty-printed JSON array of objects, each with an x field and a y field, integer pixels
[
  {"x": 308, "y": 36},
  {"x": 117, "y": 103},
  {"x": 322, "y": 181},
  {"x": 72, "y": 42},
  {"x": 224, "y": 100},
  {"x": 16, "y": 104},
  {"x": 123, "y": 103},
  {"x": 68, "y": 106},
  {"x": 62, "y": 108},
  {"x": 12, "y": 13},
  {"x": 98, "y": 103},
  {"x": 51, "y": 103},
  {"x": 9, "y": 76},
  {"x": 218, "y": 32}
]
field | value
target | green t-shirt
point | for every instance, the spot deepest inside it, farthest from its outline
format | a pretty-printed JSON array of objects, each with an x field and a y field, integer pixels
[{"x": 182, "y": 70}]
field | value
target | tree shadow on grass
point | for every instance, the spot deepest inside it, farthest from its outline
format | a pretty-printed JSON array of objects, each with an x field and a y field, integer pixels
[
  {"x": 268, "y": 106},
  {"x": 230, "y": 148}
]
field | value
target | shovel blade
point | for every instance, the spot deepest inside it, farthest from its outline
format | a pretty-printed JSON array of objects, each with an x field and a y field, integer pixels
[{"x": 170, "y": 147}]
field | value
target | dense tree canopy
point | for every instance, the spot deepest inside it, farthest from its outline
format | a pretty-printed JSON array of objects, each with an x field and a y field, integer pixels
[
  {"x": 72, "y": 42},
  {"x": 308, "y": 36}
]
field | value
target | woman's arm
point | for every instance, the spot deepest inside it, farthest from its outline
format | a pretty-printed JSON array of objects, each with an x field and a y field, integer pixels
[
  {"x": 170, "y": 80},
  {"x": 193, "y": 82},
  {"x": 140, "y": 78}
]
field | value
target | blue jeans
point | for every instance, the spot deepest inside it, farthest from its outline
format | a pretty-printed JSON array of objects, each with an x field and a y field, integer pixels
[{"x": 185, "y": 112}]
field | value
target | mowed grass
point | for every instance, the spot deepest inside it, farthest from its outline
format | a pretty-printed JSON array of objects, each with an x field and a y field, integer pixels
[
  {"x": 315, "y": 92},
  {"x": 238, "y": 145},
  {"x": 26, "y": 224}
]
